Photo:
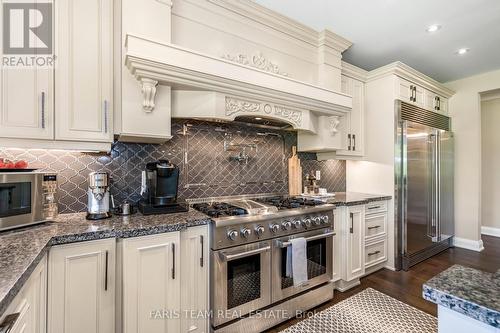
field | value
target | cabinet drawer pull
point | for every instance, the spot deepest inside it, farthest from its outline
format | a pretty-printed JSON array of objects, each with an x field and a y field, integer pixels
[
  {"x": 373, "y": 253},
  {"x": 43, "y": 109},
  {"x": 351, "y": 230},
  {"x": 350, "y": 141},
  {"x": 374, "y": 207},
  {"x": 9, "y": 322},
  {"x": 202, "y": 255},
  {"x": 374, "y": 227},
  {"x": 354, "y": 142},
  {"x": 106, "y": 260},
  {"x": 173, "y": 261}
]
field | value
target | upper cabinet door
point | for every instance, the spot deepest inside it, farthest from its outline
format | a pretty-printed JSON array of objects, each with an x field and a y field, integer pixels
[
  {"x": 404, "y": 90},
  {"x": 84, "y": 70},
  {"x": 436, "y": 103},
  {"x": 26, "y": 100},
  {"x": 358, "y": 101},
  {"x": 352, "y": 124},
  {"x": 410, "y": 93}
]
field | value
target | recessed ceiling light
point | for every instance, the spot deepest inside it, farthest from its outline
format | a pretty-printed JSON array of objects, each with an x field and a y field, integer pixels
[
  {"x": 433, "y": 28},
  {"x": 258, "y": 118},
  {"x": 462, "y": 51}
]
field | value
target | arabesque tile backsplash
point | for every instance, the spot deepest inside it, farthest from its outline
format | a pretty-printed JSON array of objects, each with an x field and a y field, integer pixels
[{"x": 198, "y": 149}]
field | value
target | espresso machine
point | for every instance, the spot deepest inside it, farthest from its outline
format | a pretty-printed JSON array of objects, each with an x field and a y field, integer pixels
[
  {"x": 98, "y": 196},
  {"x": 160, "y": 181}
]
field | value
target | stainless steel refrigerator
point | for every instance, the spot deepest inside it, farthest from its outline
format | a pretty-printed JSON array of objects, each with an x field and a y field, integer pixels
[{"x": 424, "y": 184}]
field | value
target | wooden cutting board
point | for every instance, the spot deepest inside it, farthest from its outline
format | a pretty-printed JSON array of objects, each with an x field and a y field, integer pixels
[{"x": 294, "y": 173}]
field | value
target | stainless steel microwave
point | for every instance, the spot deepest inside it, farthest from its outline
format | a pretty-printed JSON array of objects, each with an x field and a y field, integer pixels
[{"x": 27, "y": 198}]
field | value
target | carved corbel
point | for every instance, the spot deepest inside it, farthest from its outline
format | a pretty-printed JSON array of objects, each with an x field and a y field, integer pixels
[
  {"x": 148, "y": 94},
  {"x": 333, "y": 123}
]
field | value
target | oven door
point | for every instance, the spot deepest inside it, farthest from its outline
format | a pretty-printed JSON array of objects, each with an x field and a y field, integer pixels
[
  {"x": 319, "y": 251},
  {"x": 20, "y": 199},
  {"x": 241, "y": 279}
]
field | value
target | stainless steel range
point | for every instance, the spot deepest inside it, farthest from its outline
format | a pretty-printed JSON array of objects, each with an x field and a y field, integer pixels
[{"x": 250, "y": 290}]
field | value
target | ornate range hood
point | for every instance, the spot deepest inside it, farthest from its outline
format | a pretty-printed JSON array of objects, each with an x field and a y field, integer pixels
[{"x": 226, "y": 89}]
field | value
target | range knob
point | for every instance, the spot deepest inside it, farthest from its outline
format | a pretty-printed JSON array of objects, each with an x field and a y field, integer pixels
[
  {"x": 316, "y": 220},
  {"x": 232, "y": 234},
  {"x": 259, "y": 230},
  {"x": 297, "y": 224},
  {"x": 324, "y": 219},
  {"x": 307, "y": 222},
  {"x": 275, "y": 228},
  {"x": 245, "y": 232},
  {"x": 287, "y": 225}
]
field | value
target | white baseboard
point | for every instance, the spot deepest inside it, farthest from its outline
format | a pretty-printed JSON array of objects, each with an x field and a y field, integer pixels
[
  {"x": 468, "y": 244},
  {"x": 490, "y": 231}
]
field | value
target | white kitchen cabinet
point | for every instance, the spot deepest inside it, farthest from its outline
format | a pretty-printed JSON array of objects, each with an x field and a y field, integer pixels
[
  {"x": 30, "y": 303},
  {"x": 84, "y": 70},
  {"x": 353, "y": 122},
  {"x": 26, "y": 100},
  {"x": 26, "y": 103},
  {"x": 337, "y": 250},
  {"x": 194, "y": 280},
  {"x": 151, "y": 283},
  {"x": 355, "y": 256},
  {"x": 436, "y": 103},
  {"x": 81, "y": 288},
  {"x": 375, "y": 252},
  {"x": 410, "y": 92}
]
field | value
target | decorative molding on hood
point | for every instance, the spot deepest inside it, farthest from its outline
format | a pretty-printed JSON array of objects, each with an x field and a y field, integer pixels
[
  {"x": 211, "y": 105},
  {"x": 186, "y": 69},
  {"x": 257, "y": 60}
]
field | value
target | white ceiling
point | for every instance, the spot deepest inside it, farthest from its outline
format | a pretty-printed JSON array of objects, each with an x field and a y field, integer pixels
[{"x": 384, "y": 31}]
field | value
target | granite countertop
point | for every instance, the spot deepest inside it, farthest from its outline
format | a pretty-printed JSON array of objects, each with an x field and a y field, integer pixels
[
  {"x": 21, "y": 250},
  {"x": 469, "y": 291},
  {"x": 353, "y": 198}
]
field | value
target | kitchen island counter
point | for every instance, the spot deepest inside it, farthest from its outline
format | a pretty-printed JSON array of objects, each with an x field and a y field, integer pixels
[{"x": 469, "y": 294}]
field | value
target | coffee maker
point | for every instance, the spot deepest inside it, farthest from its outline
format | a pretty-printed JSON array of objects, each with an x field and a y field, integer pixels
[
  {"x": 98, "y": 196},
  {"x": 160, "y": 181}
]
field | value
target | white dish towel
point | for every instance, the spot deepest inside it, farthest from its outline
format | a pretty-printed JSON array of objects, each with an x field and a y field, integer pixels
[{"x": 296, "y": 261}]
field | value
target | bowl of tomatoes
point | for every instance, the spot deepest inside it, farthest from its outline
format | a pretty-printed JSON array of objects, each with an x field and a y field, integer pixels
[{"x": 8, "y": 165}]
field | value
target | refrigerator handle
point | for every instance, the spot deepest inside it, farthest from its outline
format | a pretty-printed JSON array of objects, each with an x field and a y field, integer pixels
[
  {"x": 438, "y": 187},
  {"x": 404, "y": 184},
  {"x": 431, "y": 222}
]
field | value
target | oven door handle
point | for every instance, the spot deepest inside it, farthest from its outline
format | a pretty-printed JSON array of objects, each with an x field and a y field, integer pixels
[
  {"x": 312, "y": 238},
  {"x": 229, "y": 257}
]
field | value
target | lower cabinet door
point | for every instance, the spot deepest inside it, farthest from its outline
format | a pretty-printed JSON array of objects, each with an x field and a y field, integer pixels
[
  {"x": 355, "y": 242},
  {"x": 27, "y": 312},
  {"x": 195, "y": 280},
  {"x": 81, "y": 285},
  {"x": 151, "y": 284}
]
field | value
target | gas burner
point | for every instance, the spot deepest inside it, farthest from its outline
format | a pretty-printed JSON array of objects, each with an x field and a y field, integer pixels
[
  {"x": 284, "y": 202},
  {"x": 219, "y": 209}
]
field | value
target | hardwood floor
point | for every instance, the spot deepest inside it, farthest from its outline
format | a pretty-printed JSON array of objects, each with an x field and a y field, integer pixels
[{"x": 407, "y": 286}]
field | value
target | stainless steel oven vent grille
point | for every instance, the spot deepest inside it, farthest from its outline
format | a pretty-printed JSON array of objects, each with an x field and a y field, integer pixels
[{"x": 418, "y": 115}]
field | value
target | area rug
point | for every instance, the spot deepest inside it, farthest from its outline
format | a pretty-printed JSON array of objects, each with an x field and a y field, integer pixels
[{"x": 369, "y": 311}]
